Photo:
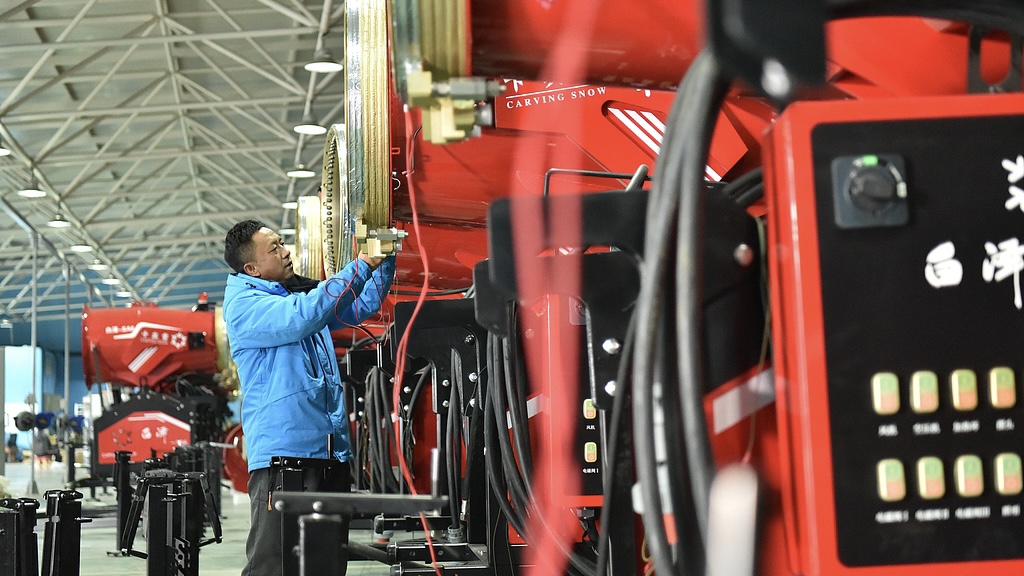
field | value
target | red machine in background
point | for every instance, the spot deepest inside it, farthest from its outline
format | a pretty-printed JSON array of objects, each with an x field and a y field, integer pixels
[{"x": 172, "y": 364}]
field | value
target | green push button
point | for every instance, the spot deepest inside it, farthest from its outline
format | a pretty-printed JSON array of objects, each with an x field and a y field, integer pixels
[
  {"x": 965, "y": 389},
  {"x": 924, "y": 392},
  {"x": 885, "y": 393},
  {"x": 1002, "y": 387},
  {"x": 1009, "y": 475},
  {"x": 969, "y": 477},
  {"x": 892, "y": 483},
  {"x": 931, "y": 480}
]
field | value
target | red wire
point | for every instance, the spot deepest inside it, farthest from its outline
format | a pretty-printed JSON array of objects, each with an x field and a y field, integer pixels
[{"x": 403, "y": 345}]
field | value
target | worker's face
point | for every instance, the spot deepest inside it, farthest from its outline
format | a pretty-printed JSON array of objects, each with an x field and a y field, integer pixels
[{"x": 273, "y": 261}]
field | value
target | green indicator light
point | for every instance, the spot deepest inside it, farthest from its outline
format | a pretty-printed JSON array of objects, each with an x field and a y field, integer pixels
[{"x": 869, "y": 160}]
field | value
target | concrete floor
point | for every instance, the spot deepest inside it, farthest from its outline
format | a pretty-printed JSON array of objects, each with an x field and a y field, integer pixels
[{"x": 98, "y": 537}]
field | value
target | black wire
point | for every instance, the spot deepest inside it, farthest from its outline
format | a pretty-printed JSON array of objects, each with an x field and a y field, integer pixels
[
  {"x": 617, "y": 432},
  {"x": 389, "y": 429},
  {"x": 740, "y": 185},
  {"x": 373, "y": 426},
  {"x": 379, "y": 445},
  {"x": 495, "y": 477},
  {"x": 499, "y": 447},
  {"x": 407, "y": 415},
  {"x": 515, "y": 395},
  {"x": 751, "y": 195},
  {"x": 453, "y": 443},
  {"x": 519, "y": 492},
  {"x": 662, "y": 204},
  {"x": 709, "y": 91},
  {"x": 475, "y": 435}
]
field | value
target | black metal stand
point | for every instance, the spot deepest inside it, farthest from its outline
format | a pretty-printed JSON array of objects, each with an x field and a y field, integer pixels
[
  {"x": 176, "y": 504},
  {"x": 62, "y": 534},
  {"x": 26, "y": 548},
  {"x": 444, "y": 327},
  {"x": 124, "y": 491},
  {"x": 291, "y": 472},
  {"x": 320, "y": 516}
]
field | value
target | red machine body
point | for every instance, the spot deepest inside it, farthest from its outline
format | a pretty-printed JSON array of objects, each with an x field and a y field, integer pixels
[
  {"x": 574, "y": 128},
  {"x": 887, "y": 467},
  {"x": 165, "y": 357},
  {"x": 144, "y": 345},
  {"x": 648, "y": 44}
]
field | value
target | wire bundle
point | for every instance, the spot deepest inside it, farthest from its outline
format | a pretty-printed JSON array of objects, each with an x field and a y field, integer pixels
[
  {"x": 377, "y": 444},
  {"x": 508, "y": 453}
]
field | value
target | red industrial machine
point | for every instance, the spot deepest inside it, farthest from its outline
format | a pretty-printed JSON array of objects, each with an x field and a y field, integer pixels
[
  {"x": 883, "y": 441},
  {"x": 168, "y": 360},
  {"x": 896, "y": 232}
]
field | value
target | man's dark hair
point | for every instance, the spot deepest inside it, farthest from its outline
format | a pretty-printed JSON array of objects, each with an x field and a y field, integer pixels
[{"x": 238, "y": 246}]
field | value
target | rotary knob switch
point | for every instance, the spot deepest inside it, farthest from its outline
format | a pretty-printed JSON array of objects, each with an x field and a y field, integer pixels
[
  {"x": 874, "y": 186},
  {"x": 869, "y": 191}
]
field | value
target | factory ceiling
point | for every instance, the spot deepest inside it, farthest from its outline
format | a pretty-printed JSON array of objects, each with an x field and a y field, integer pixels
[{"x": 151, "y": 127}]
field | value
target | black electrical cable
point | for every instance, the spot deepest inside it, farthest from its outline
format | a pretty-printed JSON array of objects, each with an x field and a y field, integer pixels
[
  {"x": 475, "y": 435},
  {"x": 380, "y": 446},
  {"x": 519, "y": 491},
  {"x": 392, "y": 440},
  {"x": 710, "y": 89},
  {"x": 515, "y": 397},
  {"x": 408, "y": 411},
  {"x": 495, "y": 476},
  {"x": 499, "y": 446},
  {"x": 372, "y": 429},
  {"x": 740, "y": 185},
  {"x": 650, "y": 306},
  {"x": 453, "y": 443},
  {"x": 617, "y": 433},
  {"x": 751, "y": 195}
]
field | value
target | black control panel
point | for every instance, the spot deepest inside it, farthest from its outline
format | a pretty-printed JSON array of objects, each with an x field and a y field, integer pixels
[{"x": 920, "y": 229}]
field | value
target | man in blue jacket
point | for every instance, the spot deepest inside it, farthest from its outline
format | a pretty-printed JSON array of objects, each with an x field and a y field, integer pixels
[{"x": 278, "y": 327}]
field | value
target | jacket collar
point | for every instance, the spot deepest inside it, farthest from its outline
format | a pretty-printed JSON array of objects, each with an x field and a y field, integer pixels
[{"x": 242, "y": 281}]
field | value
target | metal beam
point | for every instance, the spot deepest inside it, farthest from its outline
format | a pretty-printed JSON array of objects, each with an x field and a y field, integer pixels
[
  {"x": 158, "y": 40},
  {"x": 147, "y": 110},
  {"x": 21, "y": 221},
  {"x": 136, "y": 222},
  {"x": 169, "y": 154}
]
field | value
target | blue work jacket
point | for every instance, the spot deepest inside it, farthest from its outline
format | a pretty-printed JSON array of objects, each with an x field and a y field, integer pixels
[{"x": 292, "y": 396}]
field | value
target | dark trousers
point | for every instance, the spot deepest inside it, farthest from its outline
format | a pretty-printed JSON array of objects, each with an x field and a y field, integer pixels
[{"x": 263, "y": 548}]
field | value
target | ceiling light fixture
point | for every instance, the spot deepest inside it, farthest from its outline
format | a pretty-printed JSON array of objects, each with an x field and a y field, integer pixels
[
  {"x": 290, "y": 205},
  {"x": 300, "y": 171},
  {"x": 110, "y": 281},
  {"x": 81, "y": 248},
  {"x": 309, "y": 126},
  {"x": 32, "y": 190},
  {"x": 5, "y": 151},
  {"x": 98, "y": 266},
  {"x": 58, "y": 221},
  {"x": 323, "y": 62},
  {"x": 123, "y": 294}
]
